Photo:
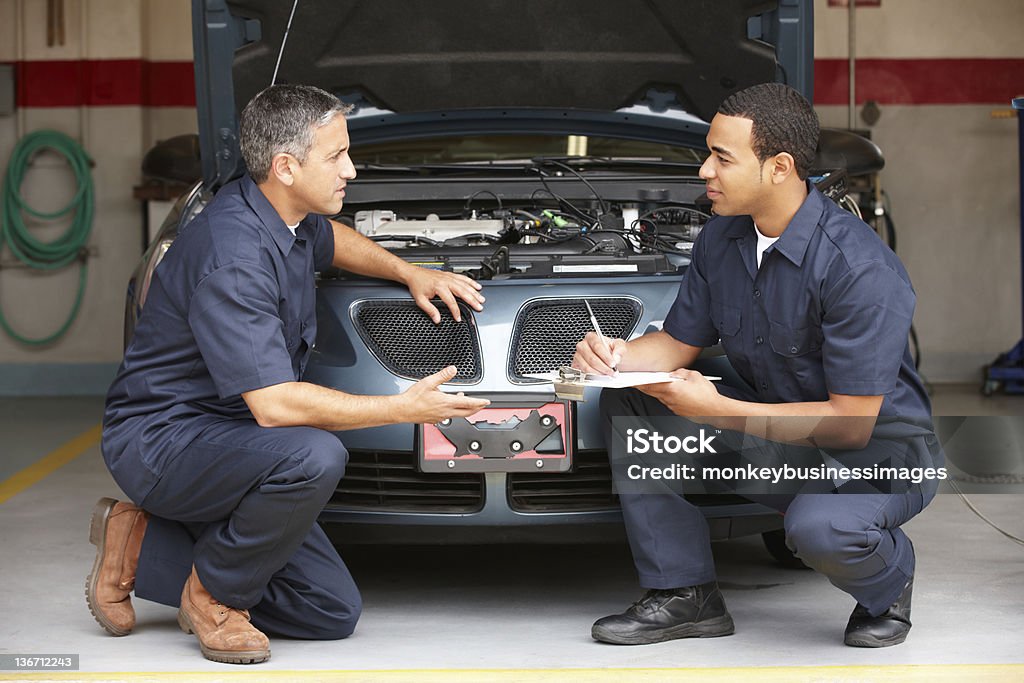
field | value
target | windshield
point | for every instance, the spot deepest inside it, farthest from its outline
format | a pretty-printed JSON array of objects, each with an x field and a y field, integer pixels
[{"x": 485, "y": 148}]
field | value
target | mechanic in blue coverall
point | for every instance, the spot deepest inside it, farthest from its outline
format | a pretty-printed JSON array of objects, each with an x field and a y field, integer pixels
[
  {"x": 813, "y": 312},
  {"x": 226, "y": 454}
]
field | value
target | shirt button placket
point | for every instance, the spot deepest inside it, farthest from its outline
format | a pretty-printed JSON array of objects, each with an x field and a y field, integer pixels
[{"x": 759, "y": 340}]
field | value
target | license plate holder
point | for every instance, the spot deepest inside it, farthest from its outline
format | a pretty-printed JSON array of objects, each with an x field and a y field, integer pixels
[{"x": 521, "y": 434}]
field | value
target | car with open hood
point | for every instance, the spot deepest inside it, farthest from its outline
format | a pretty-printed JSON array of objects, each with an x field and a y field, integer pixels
[{"x": 548, "y": 150}]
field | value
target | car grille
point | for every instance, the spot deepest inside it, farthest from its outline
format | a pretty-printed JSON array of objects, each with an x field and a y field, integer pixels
[
  {"x": 587, "y": 487},
  {"x": 547, "y": 330},
  {"x": 410, "y": 345},
  {"x": 389, "y": 481}
]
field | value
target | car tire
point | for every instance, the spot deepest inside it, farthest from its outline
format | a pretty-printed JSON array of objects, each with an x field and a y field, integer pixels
[{"x": 775, "y": 542}]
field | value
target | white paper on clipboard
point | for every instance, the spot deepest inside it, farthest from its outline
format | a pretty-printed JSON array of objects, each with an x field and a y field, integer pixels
[{"x": 618, "y": 381}]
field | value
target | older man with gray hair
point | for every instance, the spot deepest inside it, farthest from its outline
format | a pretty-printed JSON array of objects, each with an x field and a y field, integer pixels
[{"x": 226, "y": 453}]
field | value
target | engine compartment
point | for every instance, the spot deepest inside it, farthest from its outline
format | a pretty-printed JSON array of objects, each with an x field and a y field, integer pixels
[{"x": 551, "y": 236}]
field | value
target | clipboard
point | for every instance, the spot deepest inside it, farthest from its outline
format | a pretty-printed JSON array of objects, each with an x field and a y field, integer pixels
[{"x": 569, "y": 383}]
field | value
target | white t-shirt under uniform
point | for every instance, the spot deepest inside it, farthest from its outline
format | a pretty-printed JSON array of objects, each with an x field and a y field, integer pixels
[{"x": 763, "y": 243}]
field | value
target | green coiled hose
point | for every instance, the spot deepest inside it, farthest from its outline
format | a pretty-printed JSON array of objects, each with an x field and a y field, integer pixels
[{"x": 66, "y": 248}]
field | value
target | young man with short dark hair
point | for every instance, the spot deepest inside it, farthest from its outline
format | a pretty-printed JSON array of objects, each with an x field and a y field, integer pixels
[{"x": 813, "y": 312}]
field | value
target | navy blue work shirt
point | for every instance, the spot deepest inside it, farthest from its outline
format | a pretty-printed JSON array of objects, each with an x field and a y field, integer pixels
[
  {"x": 829, "y": 310},
  {"x": 230, "y": 309}
]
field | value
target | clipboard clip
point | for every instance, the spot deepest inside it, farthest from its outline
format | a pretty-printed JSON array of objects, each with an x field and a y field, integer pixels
[{"x": 569, "y": 384}]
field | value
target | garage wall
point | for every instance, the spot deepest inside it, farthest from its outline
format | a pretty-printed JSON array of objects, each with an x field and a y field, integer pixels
[
  {"x": 951, "y": 168},
  {"x": 103, "y": 88},
  {"x": 167, "y": 24},
  {"x": 121, "y": 82}
]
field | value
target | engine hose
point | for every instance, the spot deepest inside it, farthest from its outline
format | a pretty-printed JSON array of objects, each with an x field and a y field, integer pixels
[{"x": 69, "y": 246}]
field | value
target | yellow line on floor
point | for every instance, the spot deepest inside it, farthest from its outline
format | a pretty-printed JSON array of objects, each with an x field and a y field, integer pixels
[
  {"x": 49, "y": 464},
  {"x": 908, "y": 673}
]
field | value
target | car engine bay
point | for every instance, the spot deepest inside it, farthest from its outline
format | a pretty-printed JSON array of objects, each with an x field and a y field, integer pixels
[{"x": 551, "y": 229}]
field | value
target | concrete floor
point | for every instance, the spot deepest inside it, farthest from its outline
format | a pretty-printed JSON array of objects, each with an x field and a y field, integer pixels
[{"x": 433, "y": 612}]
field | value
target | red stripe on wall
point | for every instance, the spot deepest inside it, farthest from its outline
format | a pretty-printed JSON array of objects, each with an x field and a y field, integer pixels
[
  {"x": 920, "y": 81},
  {"x": 136, "y": 82},
  {"x": 169, "y": 84},
  {"x": 104, "y": 83}
]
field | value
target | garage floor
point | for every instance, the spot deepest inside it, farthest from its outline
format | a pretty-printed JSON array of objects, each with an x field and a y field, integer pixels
[{"x": 508, "y": 613}]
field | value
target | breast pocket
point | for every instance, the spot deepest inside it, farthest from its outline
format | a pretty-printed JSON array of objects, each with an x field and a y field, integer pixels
[
  {"x": 801, "y": 349},
  {"x": 794, "y": 342},
  {"x": 726, "y": 320}
]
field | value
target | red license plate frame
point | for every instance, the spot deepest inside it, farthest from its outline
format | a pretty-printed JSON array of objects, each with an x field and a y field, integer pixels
[{"x": 437, "y": 452}]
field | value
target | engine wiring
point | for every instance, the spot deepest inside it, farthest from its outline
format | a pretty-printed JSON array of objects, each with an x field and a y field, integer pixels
[
  {"x": 562, "y": 201},
  {"x": 476, "y": 194},
  {"x": 605, "y": 208}
]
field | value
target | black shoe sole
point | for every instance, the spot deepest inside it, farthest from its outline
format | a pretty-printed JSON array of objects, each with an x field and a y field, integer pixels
[
  {"x": 866, "y": 641},
  {"x": 709, "y": 628}
]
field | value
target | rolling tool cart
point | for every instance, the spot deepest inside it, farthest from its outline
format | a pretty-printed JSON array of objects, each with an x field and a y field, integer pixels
[{"x": 1007, "y": 371}]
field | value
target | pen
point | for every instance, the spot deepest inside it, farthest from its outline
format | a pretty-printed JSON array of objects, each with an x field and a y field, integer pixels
[{"x": 597, "y": 328}]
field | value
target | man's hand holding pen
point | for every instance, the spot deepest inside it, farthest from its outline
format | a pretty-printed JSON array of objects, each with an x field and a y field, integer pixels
[{"x": 599, "y": 355}]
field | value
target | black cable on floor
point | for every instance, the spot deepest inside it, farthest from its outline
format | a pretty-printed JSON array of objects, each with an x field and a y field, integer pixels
[{"x": 972, "y": 508}]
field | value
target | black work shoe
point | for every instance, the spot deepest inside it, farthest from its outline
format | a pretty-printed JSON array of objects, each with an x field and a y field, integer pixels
[
  {"x": 667, "y": 614},
  {"x": 888, "y": 628}
]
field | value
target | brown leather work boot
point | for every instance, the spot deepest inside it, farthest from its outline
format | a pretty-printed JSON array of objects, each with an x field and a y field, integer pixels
[
  {"x": 116, "y": 531},
  {"x": 224, "y": 633}
]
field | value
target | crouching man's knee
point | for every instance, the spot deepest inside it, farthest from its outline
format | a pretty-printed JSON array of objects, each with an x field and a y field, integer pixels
[
  {"x": 829, "y": 548},
  {"x": 339, "y": 621},
  {"x": 324, "y": 457}
]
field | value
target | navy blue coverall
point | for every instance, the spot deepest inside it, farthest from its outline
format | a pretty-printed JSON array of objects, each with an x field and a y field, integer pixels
[
  {"x": 829, "y": 310},
  {"x": 230, "y": 310}
]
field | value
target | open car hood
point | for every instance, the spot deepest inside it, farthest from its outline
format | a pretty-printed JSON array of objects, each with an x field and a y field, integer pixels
[{"x": 560, "y": 65}]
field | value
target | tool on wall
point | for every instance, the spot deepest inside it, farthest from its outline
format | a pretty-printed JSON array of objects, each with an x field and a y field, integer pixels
[{"x": 55, "y": 34}]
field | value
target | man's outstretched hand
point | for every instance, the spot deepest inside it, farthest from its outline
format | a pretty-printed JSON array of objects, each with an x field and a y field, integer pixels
[{"x": 425, "y": 403}]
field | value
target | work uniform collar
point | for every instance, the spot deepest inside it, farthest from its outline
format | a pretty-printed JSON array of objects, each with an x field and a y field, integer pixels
[
  {"x": 271, "y": 220},
  {"x": 793, "y": 241}
]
